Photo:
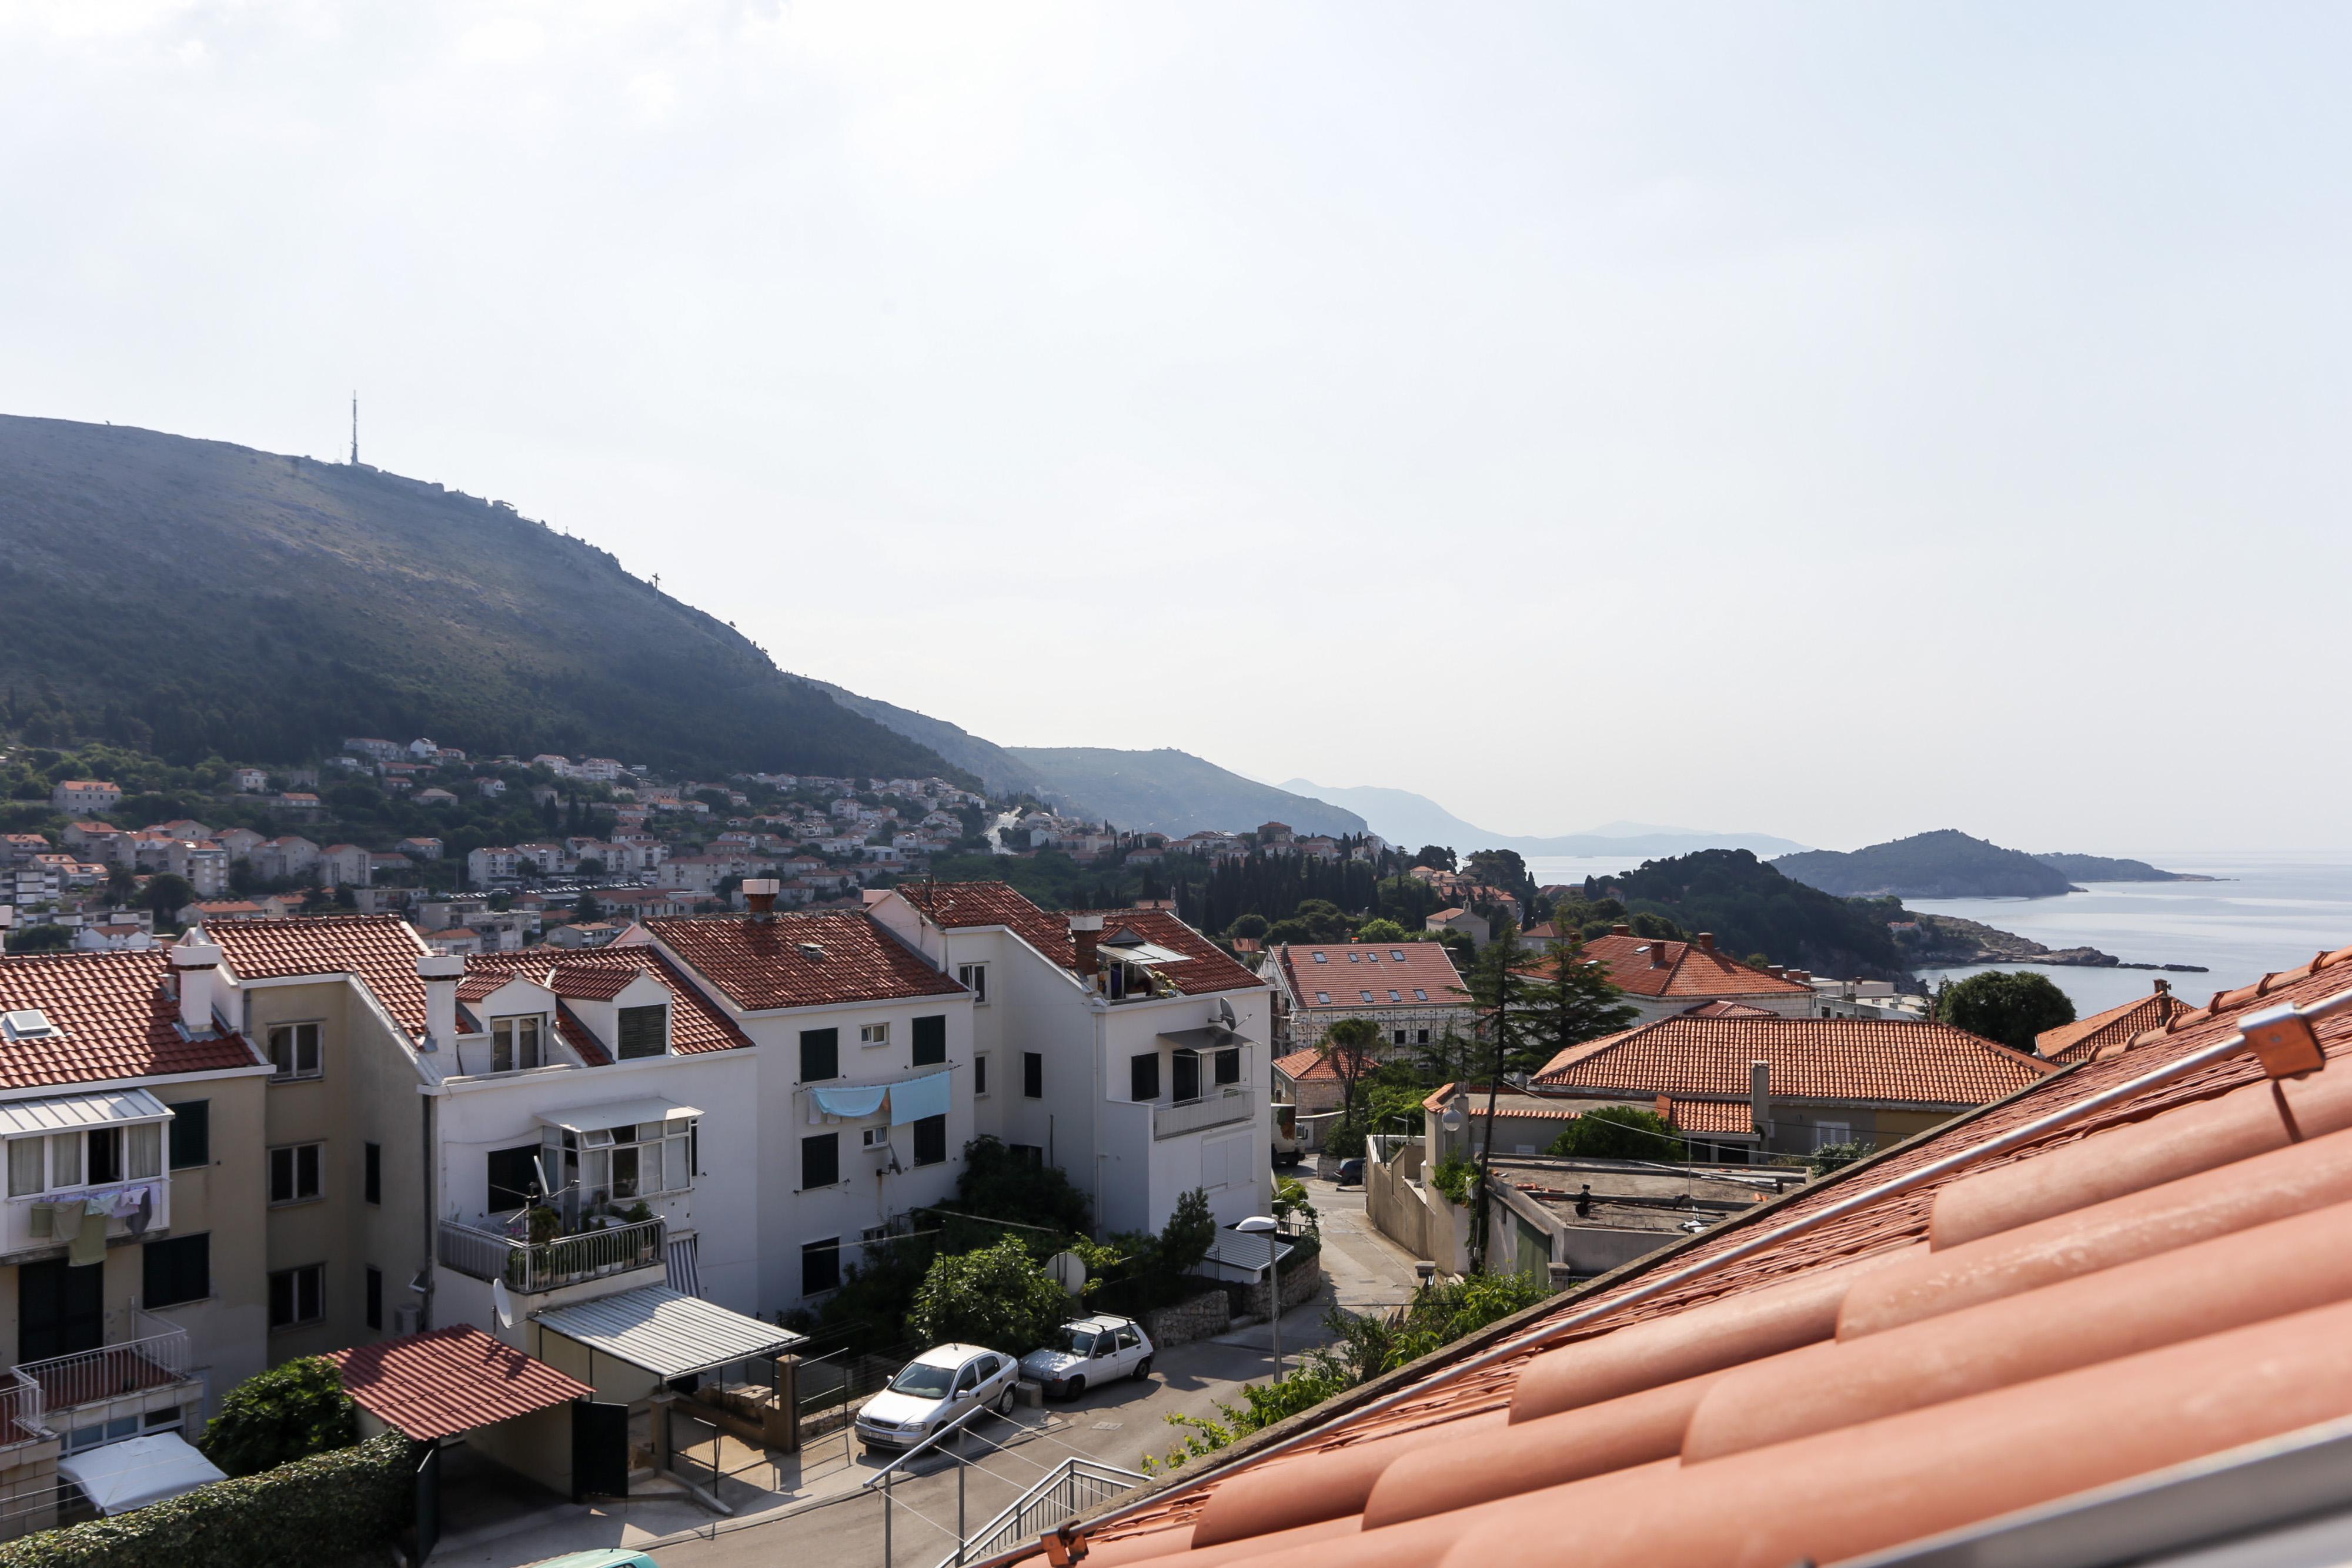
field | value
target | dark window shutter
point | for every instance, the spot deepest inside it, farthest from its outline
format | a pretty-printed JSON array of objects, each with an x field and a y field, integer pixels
[
  {"x": 820, "y": 1054},
  {"x": 931, "y": 1140},
  {"x": 930, "y": 1041},
  {"x": 192, "y": 1133},
  {"x": 819, "y": 1160}
]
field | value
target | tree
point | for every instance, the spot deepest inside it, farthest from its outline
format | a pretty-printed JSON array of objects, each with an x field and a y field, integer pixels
[
  {"x": 1347, "y": 1045},
  {"x": 1618, "y": 1132},
  {"x": 998, "y": 1184},
  {"x": 1446, "y": 1059},
  {"x": 289, "y": 1412},
  {"x": 166, "y": 896},
  {"x": 2010, "y": 1005},
  {"x": 1249, "y": 926},
  {"x": 1575, "y": 1001},
  {"x": 1437, "y": 857},
  {"x": 1379, "y": 929},
  {"x": 999, "y": 1297},
  {"x": 1496, "y": 988},
  {"x": 588, "y": 909}
]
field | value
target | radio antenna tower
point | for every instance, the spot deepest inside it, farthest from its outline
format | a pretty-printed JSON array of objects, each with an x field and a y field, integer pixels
[{"x": 355, "y": 428}]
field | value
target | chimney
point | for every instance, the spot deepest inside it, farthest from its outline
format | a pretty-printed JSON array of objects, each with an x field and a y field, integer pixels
[
  {"x": 2163, "y": 986},
  {"x": 1802, "y": 977},
  {"x": 1658, "y": 955},
  {"x": 440, "y": 972},
  {"x": 1759, "y": 1093},
  {"x": 1706, "y": 941},
  {"x": 197, "y": 964},
  {"x": 1621, "y": 929},
  {"x": 1776, "y": 970},
  {"x": 1086, "y": 931},
  {"x": 759, "y": 893}
]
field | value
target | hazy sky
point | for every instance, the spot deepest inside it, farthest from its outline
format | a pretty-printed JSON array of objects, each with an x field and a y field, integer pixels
[{"x": 1835, "y": 420}]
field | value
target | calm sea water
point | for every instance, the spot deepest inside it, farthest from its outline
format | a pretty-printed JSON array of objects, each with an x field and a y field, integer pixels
[{"x": 2271, "y": 912}]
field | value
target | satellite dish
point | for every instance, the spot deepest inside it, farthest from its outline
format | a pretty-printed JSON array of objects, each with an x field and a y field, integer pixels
[
  {"x": 1069, "y": 1271},
  {"x": 1225, "y": 1013},
  {"x": 501, "y": 1303}
]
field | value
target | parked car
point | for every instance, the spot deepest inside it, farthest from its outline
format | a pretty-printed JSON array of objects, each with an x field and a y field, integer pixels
[
  {"x": 933, "y": 1389},
  {"x": 600, "y": 1557},
  {"x": 1095, "y": 1350},
  {"x": 1351, "y": 1172}
]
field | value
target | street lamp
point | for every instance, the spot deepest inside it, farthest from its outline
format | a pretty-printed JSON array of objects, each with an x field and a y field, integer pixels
[{"x": 1265, "y": 1223}]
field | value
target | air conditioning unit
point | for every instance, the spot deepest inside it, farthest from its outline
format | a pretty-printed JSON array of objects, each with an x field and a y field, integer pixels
[{"x": 405, "y": 1320}]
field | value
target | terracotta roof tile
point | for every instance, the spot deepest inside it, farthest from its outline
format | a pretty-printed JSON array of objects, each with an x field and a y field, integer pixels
[
  {"x": 1848, "y": 1388},
  {"x": 1643, "y": 967},
  {"x": 2085, "y": 1037},
  {"x": 1812, "y": 1059},
  {"x": 452, "y": 1380},
  {"x": 118, "y": 1018},
  {"x": 381, "y": 949},
  {"x": 695, "y": 1023},
  {"x": 1424, "y": 978},
  {"x": 962, "y": 905},
  {"x": 759, "y": 964}
]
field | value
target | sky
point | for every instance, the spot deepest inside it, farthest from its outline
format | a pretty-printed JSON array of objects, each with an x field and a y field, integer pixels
[{"x": 1836, "y": 421}]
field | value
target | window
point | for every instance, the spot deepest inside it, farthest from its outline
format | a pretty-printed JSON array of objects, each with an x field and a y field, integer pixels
[
  {"x": 1355, "y": 957},
  {"x": 374, "y": 1297},
  {"x": 294, "y": 1172},
  {"x": 1400, "y": 1037},
  {"x": 931, "y": 1140},
  {"x": 973, "y": 977},
  {"x": 1419, "y": 995},
  {"x": 1229, "y": 1067},
  {"x": 820, "y": 1054},
  {"x": 176, "y": 1271},
  {"x": 644, "y": 1031},
  {"x": 294, "y": 1050},
  {"x": 26, "y": 1178},
  {"x": 874, "y": 1034},
  {"x": 513, "y": 1178},
  {"x": 820, "y": 1266},
  {"x": 514, "y": 1043},
  {"x": 632, "y": 1160},
  {"x": 931, "y": 1040},
  {"x": 1032, "y": 1074},
  {"x": 1366, "y": 995},
  {"x": 105, "y": 1163},
  {"x": 1398, "y": 954},
  {"x": 1322, "y": 958},
  {"x": 1425, "y": 1038},
  {"x": 192, "y": 1134},
  {"x": 372, "y": 1173},
  {"x": 819, "y": 1161},
  {"x": 979, "y": 1075},
  {"x": 874, "y": 1137},
  {"x": 298, "y": 1295},
  {"x": 1323, "y": 997},
  {"x": 1143, "y": 1076},
  {"x": 1394, "y": 997}
]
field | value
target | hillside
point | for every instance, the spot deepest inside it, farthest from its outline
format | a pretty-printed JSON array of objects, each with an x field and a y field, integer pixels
[
  {"x": 1941, "y": 864},
  {"x": 2101, "y": 868},
  {"x": 197, "y": 598},
  {"x": 1404, "y": 817},
  {"x": 997, "y": 768},
  {"x": 1752, "y": 908},
  {"x": 1170, "y": 792}
]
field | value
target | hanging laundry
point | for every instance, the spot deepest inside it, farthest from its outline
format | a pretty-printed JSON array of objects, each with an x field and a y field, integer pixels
[{"x": 144, "y": 1215}]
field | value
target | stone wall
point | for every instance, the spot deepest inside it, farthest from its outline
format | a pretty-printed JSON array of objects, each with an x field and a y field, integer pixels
[
  {"x": 1198, "y": 1317},
  {"x": 1299, "y": 1284}
]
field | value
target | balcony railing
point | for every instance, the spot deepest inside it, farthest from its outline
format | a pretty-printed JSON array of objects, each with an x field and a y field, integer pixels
[
  {"x": 157, "y": 1359},
  {"x": 543, "y": 1266},
  {"x": 21, "y": 1408},
  {"x": 1233, "y": 1102}
]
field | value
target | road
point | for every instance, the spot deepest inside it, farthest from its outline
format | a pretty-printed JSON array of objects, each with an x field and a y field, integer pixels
[{"x": 1116, "y": 1426}]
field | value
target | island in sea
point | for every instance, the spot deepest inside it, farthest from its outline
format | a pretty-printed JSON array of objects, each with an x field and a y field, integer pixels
[{"x": 1948, "y": 864}]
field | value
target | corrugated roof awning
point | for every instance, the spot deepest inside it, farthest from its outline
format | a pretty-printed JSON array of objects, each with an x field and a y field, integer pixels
[
  {"x": 617, "y": 1114},
  {"x": 1245, "y": 1249},
  {"x": 65, "y": 1113},
  {"x": 1145, "y": 953},
  {"x": 668, "y": 1333},
  {"x": 1211, "y": 1038}
]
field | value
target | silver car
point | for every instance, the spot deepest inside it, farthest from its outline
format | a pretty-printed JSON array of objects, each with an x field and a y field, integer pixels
[
  {"x": 1091, "y": 1351},
  {"x": 933, "y": 1389}
]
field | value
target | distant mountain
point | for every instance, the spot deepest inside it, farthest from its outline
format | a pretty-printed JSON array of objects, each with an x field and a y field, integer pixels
[
  {"x": 999, "y": 769},
  {"x": 1170, "y": 792},
  {"x": 1750, "y": 907},
  {"x": 1411, "y": 821},
  {"x": 1942, "y": 864},
  {"x": 190, "y": 598},
  {"x": 2099, "y": 867}
]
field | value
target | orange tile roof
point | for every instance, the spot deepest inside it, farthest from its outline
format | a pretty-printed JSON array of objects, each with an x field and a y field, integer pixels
[
  {"x": 1351, "y": 969},
  {"x": 449, "y": 1380},
  {"x": 118, "y": 1021},
  {"x": 1879, "y": 1378},
  {"x": 381, "y": 949},
  {"x": 1645, "y": 966},
  {"x": 1812, "y": 1059},
  {"x": 695, "y": 1023},
  {"x": 1311, "y": 1066},
  {"x": 2085, "y": 1037},
  {"x": 1721, "y": 1008},
  {"x": 956, "y": 905},
  {"x": 758, "y": 963}
]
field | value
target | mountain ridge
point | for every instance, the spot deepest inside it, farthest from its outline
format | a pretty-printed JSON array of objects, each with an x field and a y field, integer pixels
[
  {"x": 1411, "y": 821},
  {"x": 1943, "y": 864}
]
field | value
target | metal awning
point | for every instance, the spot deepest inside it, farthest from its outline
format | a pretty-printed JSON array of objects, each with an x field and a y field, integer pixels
[
  {"x": 1245, "y": 1249},
  {"x": 1211, "y": 1038},
  {"x": 136, "y": 1472},
  {"x": 1145, "y": 953},
  {"x": 617, "y": 1114},
  {"x": 667, "y": 1332},
  {"x": 66, "y": 1112}
]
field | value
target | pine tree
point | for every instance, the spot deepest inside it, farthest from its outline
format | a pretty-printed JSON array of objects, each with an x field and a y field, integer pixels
[{"x": 1573, "y": 1002}]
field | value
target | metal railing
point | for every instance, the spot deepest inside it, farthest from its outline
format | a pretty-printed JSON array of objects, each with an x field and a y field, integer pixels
[
  {"x": 543, "y": 1266},
  {"x": 1230, "y": 1103},
  {"x": 21, "y": 1408},
  {"x": 1070, "y": 1488},
  {"x": 157, "y": 1359}
]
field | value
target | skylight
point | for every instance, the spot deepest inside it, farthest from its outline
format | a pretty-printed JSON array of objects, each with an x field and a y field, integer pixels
[
  {"x": 1324, "y": 998},
  {"x": 29, "y": 1023},
  {"x": 1398, "y": 954},
  {"x": 1322, "y": 957},
  {"x": 1355, "y": 957},
  {"x": 1419, "y": 995},
  {"x": 1366, "y": 995},
  {"x": 1394, "y": 997}
]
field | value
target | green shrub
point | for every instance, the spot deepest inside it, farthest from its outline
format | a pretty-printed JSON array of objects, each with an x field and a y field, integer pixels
[
  {"x": 330, "y": 1508},
  {"x": 289, "y": 1412},
  {"x": 1619, "y": 1133},
  {"x": 1837, "y": 1157},
  {"x": 998, "y": 1296},
  {"x": 1455, "y": 1179}
]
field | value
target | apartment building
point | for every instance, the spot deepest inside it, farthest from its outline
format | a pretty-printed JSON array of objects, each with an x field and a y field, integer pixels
[{"x": 1411, "y": 990}]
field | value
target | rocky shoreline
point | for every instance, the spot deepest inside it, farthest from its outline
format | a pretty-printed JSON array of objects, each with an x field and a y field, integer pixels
[{"x": 1949, "y": 940}]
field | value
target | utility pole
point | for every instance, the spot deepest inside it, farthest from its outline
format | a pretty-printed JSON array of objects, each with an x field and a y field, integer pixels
[
  {"x": 1478, "y": 1216},
  {"x": 355, "y": 427}
]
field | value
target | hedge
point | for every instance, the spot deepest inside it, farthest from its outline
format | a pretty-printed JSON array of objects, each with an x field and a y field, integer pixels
[{"x": 324, "y": 1509}]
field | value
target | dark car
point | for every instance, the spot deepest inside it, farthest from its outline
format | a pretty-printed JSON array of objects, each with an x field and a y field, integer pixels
[{"x": 1351, "y": 1172}]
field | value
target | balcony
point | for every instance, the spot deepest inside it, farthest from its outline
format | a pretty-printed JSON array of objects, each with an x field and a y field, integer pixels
[
  {"x": 105, "y": 1394},
  {"x": 27, "y": 1224},
  {"x": 549, "y": 1265},
  {"x": 1233, "y": 1102}
]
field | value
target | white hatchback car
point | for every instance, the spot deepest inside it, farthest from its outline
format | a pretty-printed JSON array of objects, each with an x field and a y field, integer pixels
[
  {"x": 933, "y": 1389},
  {"x": 1090, "y": 1351}
]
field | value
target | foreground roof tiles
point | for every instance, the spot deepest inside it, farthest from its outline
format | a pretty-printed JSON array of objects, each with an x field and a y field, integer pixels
[
  {"x": 2159, "y": 1282},
  {"x": 962, "y": 905},
  {"x": 1810, "y": 1059},
  {"x": 116, "y": 1019},
  {"x": 760, "y": 964},
  {"x": 381, "y": 949},
  {"x": 449, "y": 1381}
]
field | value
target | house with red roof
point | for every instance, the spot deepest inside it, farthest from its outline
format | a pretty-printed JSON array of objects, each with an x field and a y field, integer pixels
[
  {"x": 2112, "y": 1029},
  {"x": 1411, "y": 989},
  {"x": 1662, "y": 978},
  {"x": 1120, "y": 1045}
]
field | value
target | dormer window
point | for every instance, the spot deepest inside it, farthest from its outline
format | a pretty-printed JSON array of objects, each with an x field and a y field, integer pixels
[
  {"x": 515, "y": 1043},
  {"x": 29, "y": 1023},
  {"x": 644, "y": 1031}
]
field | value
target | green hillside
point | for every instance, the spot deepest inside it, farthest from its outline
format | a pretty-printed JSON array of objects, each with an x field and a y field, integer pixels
[
  {"x": 192, "y": 597},
  {"x": 1942, "y": 864},
  {"x": 1752, "y": 908}
]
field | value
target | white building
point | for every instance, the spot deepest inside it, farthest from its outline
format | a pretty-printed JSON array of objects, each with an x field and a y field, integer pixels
[{"x": 79, "y": 797}]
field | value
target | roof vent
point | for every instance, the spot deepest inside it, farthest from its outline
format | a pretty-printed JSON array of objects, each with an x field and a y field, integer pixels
[
  {"x": 29, "y": 1023},
  {"x": 812, "y": 951}
]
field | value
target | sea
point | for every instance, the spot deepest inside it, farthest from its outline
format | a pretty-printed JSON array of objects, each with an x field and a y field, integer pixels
[{"x": 2263, "y": 912}]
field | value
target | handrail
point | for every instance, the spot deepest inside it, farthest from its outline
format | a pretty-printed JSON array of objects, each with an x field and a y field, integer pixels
[
  {"x": 932, "y": 1441},
  {"x": 2283, "y": 1038},
  {"x": 1009, "y": 1523},
  {"x": 544, "y": 1265}
]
